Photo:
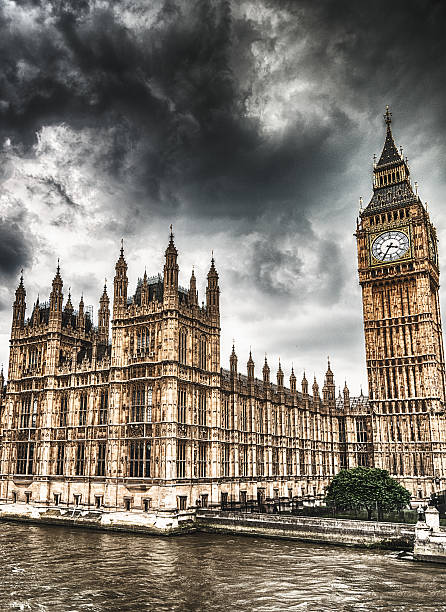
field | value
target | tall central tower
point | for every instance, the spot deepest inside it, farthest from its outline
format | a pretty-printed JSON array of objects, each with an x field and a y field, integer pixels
[{"x": 399, "y": 276}]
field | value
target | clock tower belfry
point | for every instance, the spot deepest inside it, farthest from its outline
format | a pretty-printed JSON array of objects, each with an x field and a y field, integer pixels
[{"x": 399, "y": 275}]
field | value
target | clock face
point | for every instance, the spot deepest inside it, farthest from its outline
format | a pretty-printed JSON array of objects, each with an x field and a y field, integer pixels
[{"x": 390, "y": 246}]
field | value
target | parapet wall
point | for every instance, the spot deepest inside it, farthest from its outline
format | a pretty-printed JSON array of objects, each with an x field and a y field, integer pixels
[{"x": 341, "y": 532}]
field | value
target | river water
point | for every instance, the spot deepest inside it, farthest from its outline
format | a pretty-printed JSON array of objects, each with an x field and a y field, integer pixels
[{"x": 55, "y": 568}]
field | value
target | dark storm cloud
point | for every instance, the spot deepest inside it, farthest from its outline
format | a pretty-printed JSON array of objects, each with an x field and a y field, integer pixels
[
  {"x": 179, "y": 90},
  {"x": 15, "y": 250}
]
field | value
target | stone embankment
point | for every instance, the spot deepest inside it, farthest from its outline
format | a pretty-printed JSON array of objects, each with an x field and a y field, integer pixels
[
  {"x": 394, "y": 536},
  {"x": 340, "y": 532},
  {"x": 151, "y": 523},
  {"x": 430, "y": 539}
]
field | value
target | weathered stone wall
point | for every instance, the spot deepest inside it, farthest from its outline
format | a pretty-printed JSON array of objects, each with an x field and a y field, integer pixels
[{"x": 324, "y": 530}]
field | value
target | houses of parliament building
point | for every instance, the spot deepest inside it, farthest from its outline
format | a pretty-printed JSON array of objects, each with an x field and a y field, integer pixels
[{"x": 148, "y": 420}]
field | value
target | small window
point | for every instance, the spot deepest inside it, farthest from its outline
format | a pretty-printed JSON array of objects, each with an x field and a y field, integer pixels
[
  {"x": 147, "y": 504},
  {"x": 243, "y": 497},
  {"x": 98, "y": 501},
  {"x": 77, "y": 499},
  {"x": 14, "y": 497},
  {"x": 182, "y": 502},
  {"x": 127, "y": 504},
  {"x": 56, "y": 499},
  {"x": 27, "y": 496},
  {"x": 204, "y": 500}
]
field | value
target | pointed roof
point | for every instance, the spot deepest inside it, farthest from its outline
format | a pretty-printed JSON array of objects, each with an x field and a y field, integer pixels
[
  {"x": 212, "y": 271},
  {"x": 21, "y": 287},
  {"x": 57, "y": 280},
  {"x": 104, "y": 296},
  {"x": 390, "y": 153},
  {"x": 171, "y": 249},
  {"x": 69, "y": 305},
  {"x": 250, "y": 360}
]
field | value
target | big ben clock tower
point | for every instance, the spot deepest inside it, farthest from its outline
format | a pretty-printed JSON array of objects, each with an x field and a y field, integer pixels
[{"x": 399, "y": 276}]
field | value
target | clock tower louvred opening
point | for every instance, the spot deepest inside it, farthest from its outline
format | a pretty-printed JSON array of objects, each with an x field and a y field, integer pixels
[{"x": 399, "y": 276}]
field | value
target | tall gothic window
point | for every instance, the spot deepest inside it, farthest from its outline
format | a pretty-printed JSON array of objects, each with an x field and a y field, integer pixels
[
  {"x": 25, "y": 411},
  {"x": 243, "y": 420},
  {"x": 25, "y": 458},
  {"x": 243, "y": 460},
  {"x": 63, "y": 414},
  {"x": 34, "y": 414},
  {"x": 141, "y": 409},
  {"x": 100, "y": 462},
  {"x": 226, "y": 459},
  {"x": 182, "y": 408},
  {"x": 260, "y": 413},
  {"x": 275, "y": 461},
  {"x": 225, "y": 412},
  {"x": 183, "y": 346},
  {"x": 202, "y": 353},
  {"x": 138, "y": 404},
  {"x": 202, "y": 407},
  {"x": 202, "y": 460},
  {"x": 260, "y": 455},
  {"x": 103, "y": 408},
  {"x": 60, "y": 459},
  {"x": 80, "y": 459},
  {"x": 83, "y": 409},
  {"x": 181, "y": 459},
  {"x": 289, "y": 462},
  {"x": 139, "y": 456}
]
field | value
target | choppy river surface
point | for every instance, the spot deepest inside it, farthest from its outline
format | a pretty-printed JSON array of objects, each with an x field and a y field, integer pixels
[{"x": 54, "y": 568}]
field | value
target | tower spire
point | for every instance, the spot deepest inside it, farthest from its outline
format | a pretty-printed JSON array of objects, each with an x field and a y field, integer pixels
[{"x": 391, "y": 184}]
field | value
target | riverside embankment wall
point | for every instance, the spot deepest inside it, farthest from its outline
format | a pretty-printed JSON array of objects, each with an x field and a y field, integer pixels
[{"x": 341, "y": 532}]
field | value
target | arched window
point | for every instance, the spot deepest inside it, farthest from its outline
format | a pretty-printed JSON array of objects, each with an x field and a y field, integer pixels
[
  {"x": 183, "y": 346},
  {"x": 202, "y": 353}
]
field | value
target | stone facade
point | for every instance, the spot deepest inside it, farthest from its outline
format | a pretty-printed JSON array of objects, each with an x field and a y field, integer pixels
[{"x": 149, "y": 421}]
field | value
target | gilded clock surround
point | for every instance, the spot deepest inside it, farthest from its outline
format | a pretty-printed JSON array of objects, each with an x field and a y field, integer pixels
[{"x": 374, "y": 261}]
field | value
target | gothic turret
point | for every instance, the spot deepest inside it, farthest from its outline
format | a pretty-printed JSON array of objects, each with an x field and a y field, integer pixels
[
  {"x": 233, "y": 362},
  {"x": 81, "y": 315},
  {"x": 171, "y": 274},
  {"x": 346, "y": 397},
  {"x": 69, "y": 306},
  {"x": 213, "y": 291},
  {"x": 144, "y": 290},
  {"x": 56, "y": 297},
  {"x": 280, "y": 376},
  {"x": 292, "y": 381},
  {"x": 193, "y": 295},
  {"x": 120, "y": 283},
  {"x": 266, "y": 372},
  {"x": 104, "y": 316},
  {"x": 315, "y": 390},
  {"x": 304, "y": 386},
  {"x": 329, "y": 389},
  {"x": 36, "y": 313},
  {"x": 19, "y": 307},
  {"x": 250, "y": 367}
]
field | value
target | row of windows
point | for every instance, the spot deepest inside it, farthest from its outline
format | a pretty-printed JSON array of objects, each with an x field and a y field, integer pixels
[
  {"x": 139, "y": 459},
  {"x": 202, "y": 349}
]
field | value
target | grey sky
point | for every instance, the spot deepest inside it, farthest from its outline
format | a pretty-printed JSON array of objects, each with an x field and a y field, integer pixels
[{"x": 250, "y": 126}]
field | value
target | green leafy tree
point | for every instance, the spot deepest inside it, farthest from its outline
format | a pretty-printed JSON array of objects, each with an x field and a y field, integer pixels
[{"x": 369, "y": 488}]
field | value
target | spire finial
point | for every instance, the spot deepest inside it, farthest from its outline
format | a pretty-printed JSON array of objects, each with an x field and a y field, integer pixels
[
  {"x": 122, "y": 247},
  {"x": 58, "y": 265},
  {"x": 388, "y": 116}
]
